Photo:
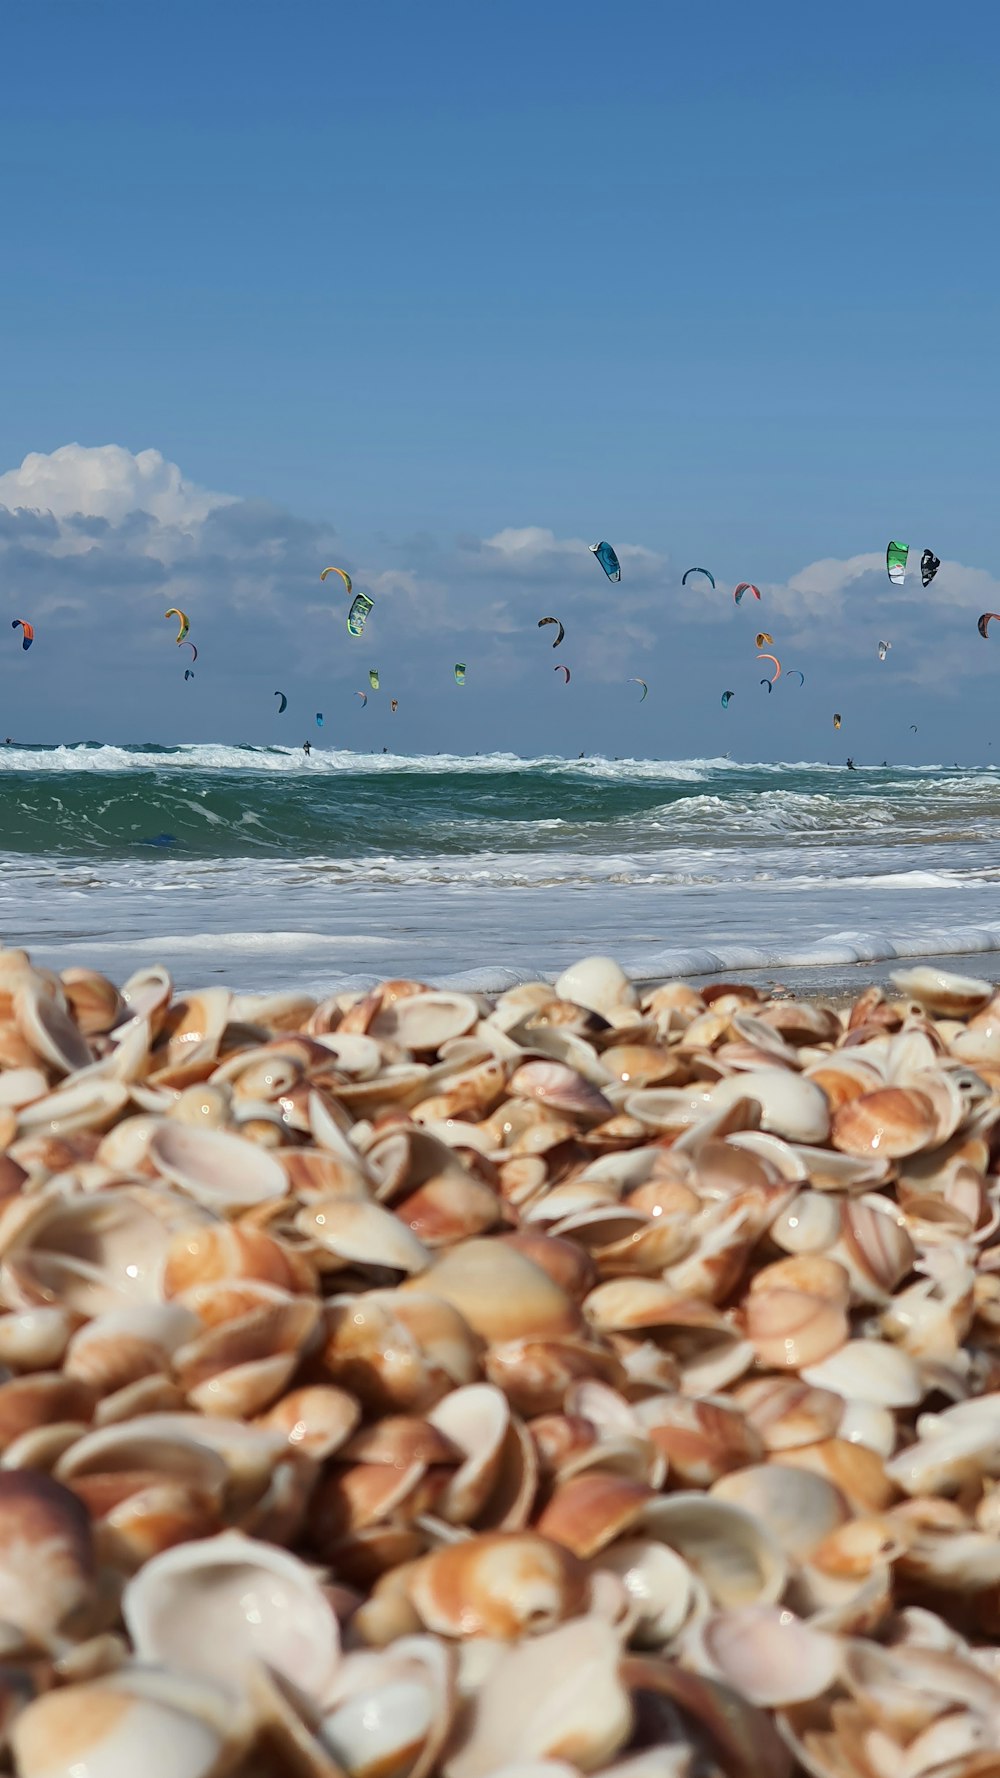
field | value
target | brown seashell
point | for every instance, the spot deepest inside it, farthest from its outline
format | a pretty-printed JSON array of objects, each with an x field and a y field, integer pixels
[
  {"x": 316, "y": 1419},
  {"x": 591, "y": 1510},
  {"x": 701, "y": 1440},
  {"x": 563, "y": 1090},
  {"x": 215, "y": 1250},
  {"x": 893, "y": 1121},
  {"x": 500, "y": 1293},
  {"x": 38, "y": 1400},
  {"x": 791, "y": 1328},
  {"x": 47, "y": 1569},
  {"x": 855, "y": 1469},
  {"x": 499, "y": 1584},
  {"x": 787, "y": 1412},
  {"x": 94, "y": 1003}
]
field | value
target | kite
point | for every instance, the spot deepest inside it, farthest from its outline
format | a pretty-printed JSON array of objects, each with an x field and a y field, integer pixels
[
  {"x": 283, "y": 706},
  {"x": 766, "y": 682},
  {"x": 552, "y": 620},
  {"x": 726, "y": 697},
  {"x": 182, "y": 620},
  {"x": 363, "y": 695},
  {"x": 345, "y": 577},
  {"x": 895, "y": 562},
  {"x": 194, "y": 651},
  {"x": 188, "y": 673},
  {"x": 801, "y": 676},
  {"x": 836, "y": 722},
  {"x": 745, "y": 586},
  {"x": 883, "y": 649},
  {"x": 394, "y": 706},
  {"x": 459, "y": 672},
  {"x": 608, "y": 560},
  {"x": 373, "y": 678},
  {"x": 28, "y": 632},
  {"x": 913, "y": 728},
  {"x": 777, "y": 664},
  {"x": 984, "y": 623},
  {"x": 642, "y": 682},
  {"x": 361, "y": 609},
  {"x": 319, "y": 719},
  {"x": 566, "y": 671},
  {"x": 703, "y": 571},
  {"x": 929, "y": 565},
  {"x": 763, "y": 638}
]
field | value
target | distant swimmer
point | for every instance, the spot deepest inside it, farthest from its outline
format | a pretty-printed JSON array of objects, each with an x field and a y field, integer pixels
[
  {"x": 851, "y": 766},
  {"x": 10, "y": 742},
  {"x": 307, "y": 748}
]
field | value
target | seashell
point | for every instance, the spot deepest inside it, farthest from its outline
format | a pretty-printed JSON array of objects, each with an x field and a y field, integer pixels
[
  {"x": 701, "y": 1440},
  {"x": 893, "y": 1121},
  {"x": 499, "y": 1584},
  {"x": 93, "y": 1253},
  {"x": 500, "y": 1293},
  {"x": 204, "y": 1253},
  {"x": 242, "y": 1366},
  {"x": 809, "y": 1224},
  {"x": 791, "y": 1105},
  {"x": 363, "y": 1234},
  {"x": 639, "y": 1065},
  {"x": 735, "y": 1557},
  {"x": 193, "y": 1027},
  {"x": 392, "y": 1712},
  {"x": 86, "y": 1102},
  {"x": 791, "y": 1329},
  {"x": 316, "y": 1419},
  {"x": 49, "y": 1030},
  {"x": 123, "y": 1345},
  {"x": 598, "y": 984},
  {"x": 954, "y": 996},
  {"x": 47, "y": 1568},
  {"x": 557, "y": 1696},
  {"x": 589, "y": 1511},
  {"x": 93, "y": 1002},
  {"x": 563, "y": 1089},
  {"x": 661, "y": 1588},
  {"x": 139, "y": 1719},
  {"x": 829, "y": 1170},
  {"x": 20, "y": 1087},
  {"x": 422, "y": 1022},
  {"x": 36, "y": 1339},
  {"x": 798, "y": 1508},
  {"x": 767, "y": 1655},
  {"x": 787, "y": 1411},
  {"x": 869, "y": 1370},
  {"x": 864, "y": 1423},
  {"x": 217, "y": 1606},
  {"x": 853, "y": 1468},
  {"x": 218, "y": 1169}
]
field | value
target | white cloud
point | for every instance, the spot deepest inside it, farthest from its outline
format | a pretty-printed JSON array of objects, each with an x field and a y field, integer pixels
[{"x": 106, "y": 482}]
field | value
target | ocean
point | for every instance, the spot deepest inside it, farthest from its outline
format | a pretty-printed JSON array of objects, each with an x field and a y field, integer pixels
[{"x": 262, "y": 869}]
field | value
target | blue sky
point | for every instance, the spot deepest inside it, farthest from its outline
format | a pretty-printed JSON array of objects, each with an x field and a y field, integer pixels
[{"x": 717, "y": 283}]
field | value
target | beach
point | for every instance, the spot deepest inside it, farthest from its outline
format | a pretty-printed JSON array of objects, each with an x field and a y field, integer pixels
[{"x": 577, "y": 1379}]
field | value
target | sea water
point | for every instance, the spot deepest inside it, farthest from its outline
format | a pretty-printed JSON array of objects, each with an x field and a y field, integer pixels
[{"x": 261, "y": 868}]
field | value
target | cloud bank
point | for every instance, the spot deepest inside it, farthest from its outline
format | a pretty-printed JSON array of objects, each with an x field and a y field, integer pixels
[{"x": 96, "y": 542}]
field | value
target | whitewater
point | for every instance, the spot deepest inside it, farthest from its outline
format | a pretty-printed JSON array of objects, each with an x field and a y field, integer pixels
[{"x": 261, "y": 868}]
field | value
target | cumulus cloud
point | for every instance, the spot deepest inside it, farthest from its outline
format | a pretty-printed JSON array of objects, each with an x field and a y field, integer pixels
[
  {"x": 96, "y": 542},
  {"x": 106, "y": 482}
]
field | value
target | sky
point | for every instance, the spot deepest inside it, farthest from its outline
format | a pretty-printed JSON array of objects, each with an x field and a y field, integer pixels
[{"x": 446, "y": 293}]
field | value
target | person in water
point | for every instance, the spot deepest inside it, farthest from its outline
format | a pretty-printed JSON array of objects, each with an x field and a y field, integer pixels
[
  {"x": 307, "y": 748},
  {"x": 851, "y": 766}
]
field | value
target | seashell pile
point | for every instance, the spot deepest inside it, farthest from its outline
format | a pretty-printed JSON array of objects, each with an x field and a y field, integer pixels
[{"x": 583, "y": 1381}]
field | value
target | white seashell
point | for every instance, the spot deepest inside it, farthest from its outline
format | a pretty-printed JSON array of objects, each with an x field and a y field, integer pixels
[
  {"x": 809, "y": 1224},
  {"x": 217, "y": 1606},
  {"x": 790, "y": 1105},
  {"x": 218, "y": 1169},
  {"x": 423, "y": 1022},
  {"x": 766, "y": 1654},
  {"x": 942, "y": 992},
  {"x": 596, "y": 983},
  {"x": 49, "y": 1030},
  {"x": 735, "y": 1557},
  {"x": 19, "y": 1086},
  {"x": 363, "y": 1233},
  {"x": 797, "y": 1507},
  {"x": 865, "y": 1423},
  {"x": 85, "y": 1102},
  {"x": 869, "y": 1370},
  {"x": 660, "y": 1585}
]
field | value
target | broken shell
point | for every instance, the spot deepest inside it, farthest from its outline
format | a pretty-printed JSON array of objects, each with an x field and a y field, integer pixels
[{"x": 217, "y": 1606}]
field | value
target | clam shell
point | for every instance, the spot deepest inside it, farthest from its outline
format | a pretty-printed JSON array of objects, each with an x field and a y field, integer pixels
[{"x": 218, "y": 1169}]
